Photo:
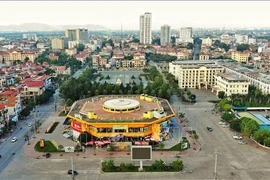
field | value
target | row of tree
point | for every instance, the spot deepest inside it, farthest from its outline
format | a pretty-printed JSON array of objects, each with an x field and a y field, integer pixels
[
  {"x": 184, "y": 94},
  {"x": 254, "y": 98},
  {"x": 161, "y": 57},
  {"x": 245, "y": 125},
  {"x": 86, "y": 86}
]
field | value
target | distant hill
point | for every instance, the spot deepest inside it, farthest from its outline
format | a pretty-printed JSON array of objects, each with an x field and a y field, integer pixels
[{"x": 46, "y": 27}]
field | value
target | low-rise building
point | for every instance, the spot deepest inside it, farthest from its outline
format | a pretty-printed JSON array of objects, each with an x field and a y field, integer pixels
[
  {"x": 257, "y": 78},
  {"x": 230, "y": 83},
  {"x": 240, "y": 56},
  {"x": 195, "y": 74},
  {"x": 204, "y": 56},
  {"x": 71, "y": 51}
]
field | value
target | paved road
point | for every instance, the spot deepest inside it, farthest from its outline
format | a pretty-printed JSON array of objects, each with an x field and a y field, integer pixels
[
  {"x": 244, "y": 161},
  {"x": 7, "y": 147}
]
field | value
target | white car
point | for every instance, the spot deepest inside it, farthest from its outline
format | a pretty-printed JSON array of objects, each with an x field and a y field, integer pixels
[
  {"x": 14, "y": 139},
  {"x": 222, "y": 123},
  {"x": 29, "y": 124},
  {"x": 236, "y": 136}
]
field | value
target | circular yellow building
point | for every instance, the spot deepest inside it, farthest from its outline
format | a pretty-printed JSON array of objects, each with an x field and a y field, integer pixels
[{"x": 126, "y": 115}]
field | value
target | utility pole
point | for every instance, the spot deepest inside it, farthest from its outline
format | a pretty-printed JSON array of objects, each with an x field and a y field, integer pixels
[
  {"x": 55, "y": 106},
  {"x": 215, "y": 172}
]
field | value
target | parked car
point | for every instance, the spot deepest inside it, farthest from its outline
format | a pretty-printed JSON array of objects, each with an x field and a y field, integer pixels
[
  {"x": 242, "y": 142},
  {"x": 14, "y": 139},
  {"x": 237, "y": 137},
  {"x": 209, "y": 128},
  {"x": 74, "y": 172},
  {"x": 221, "y": 123}
]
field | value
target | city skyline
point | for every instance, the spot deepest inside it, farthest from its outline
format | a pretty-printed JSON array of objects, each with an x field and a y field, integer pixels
[{"x": 177, "y": 14}]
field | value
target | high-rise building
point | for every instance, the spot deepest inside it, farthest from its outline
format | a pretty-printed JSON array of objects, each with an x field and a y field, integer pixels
[
  {"x": 80, "y": 35},
  {"x": 59, "y": 43},
  {"x": 146, "y": 28},
  {"x": 165, "y": 35},
  {"x": 71, "y": 34},
  {"x": 185, "y": 35}
]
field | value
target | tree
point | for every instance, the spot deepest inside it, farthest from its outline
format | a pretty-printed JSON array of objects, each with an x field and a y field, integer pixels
[
  {"x": 26, "y": 59},
  {"x": 242, "y": 47},
  {"x": 266, "y": 142},
  {"x": 227, "y": 116},
  {"x": 156, "y": 41},
  {"x": 221, "y": 94},
  {"x": 190, "y": 46},
  {"x": 249, "y": 126},
  {"x": 196, "y": 137},
  {"x": 177, "y": 165},
  {"x": 80, "y": 47},
  {"x": 192, "y": 97},
  {"x": 158, "y": 165},
  {"x": 161, "y": 145},
  {"x": 236, "y": 125},
  {"x": 26, "y": 136},
  {"x": 261, "y": 135}
]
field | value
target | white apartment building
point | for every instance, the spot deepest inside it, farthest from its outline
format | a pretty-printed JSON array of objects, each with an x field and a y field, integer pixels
[
  {"x": 30, "y": 37},
  {"x": 207, "y": 41},
  {"x": 195, "y": 74},
  {"x": 146, "y": 28},
  {"x": 262, "y": 47},
  {"x": 251, "y": 40},
  {"x": 165, "y": 35},
  {"x": 241, "y": 38},
  {"x": 230, "y": 83},
  {"x": 73, "y": 44},
  {"x": 185, "y": 35},
  {"x": 225, "y": 38},
  {"x": 261, "y": 80}
]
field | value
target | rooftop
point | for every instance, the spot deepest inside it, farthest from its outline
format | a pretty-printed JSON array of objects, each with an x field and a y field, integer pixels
[
  {"x": 232, "y": 77},
  {"x": 95, "y": 105}
]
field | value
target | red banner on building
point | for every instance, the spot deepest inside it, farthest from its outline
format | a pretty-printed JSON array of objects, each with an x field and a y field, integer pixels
[{"x": 77, "y": 126}]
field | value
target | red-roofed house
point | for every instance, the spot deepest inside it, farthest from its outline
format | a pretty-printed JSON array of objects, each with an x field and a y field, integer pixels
[
  {"x": 32, "y": 88},
  {"x": 61, "y": 70},
  {"x": 46, "y": 79},
  {"x": 11, "y": 99},
  {"x": 81, "y": 57},
  {"x": 53, "y": 56}
]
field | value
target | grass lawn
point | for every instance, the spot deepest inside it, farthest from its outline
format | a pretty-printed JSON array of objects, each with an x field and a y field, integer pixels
[
  {"x": 49, "y": 147},
  {"x": 62, "y": 113}
]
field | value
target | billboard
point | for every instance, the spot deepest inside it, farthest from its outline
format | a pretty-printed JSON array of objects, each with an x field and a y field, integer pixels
[
  {"x": 141, "y": 153},
  {"x": 69, "y": 148},
  {"x": 77, "y": 126}
]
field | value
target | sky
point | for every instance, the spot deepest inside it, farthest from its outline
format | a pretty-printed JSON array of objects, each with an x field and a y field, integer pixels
[{"x": 177, "y": 14}]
